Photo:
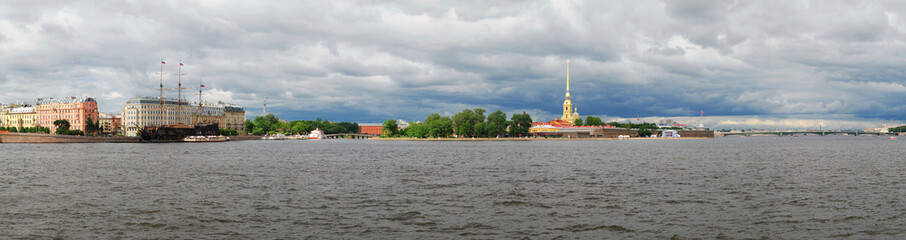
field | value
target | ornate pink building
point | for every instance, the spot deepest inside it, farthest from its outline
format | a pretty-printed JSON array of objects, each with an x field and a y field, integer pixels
[{"x": 73, "y": 109}]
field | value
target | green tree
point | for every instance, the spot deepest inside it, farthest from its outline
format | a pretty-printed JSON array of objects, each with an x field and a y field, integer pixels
[
  {"x": 577, "y": 122},
  {"x": 593, "y": 121},
  {"x": 92, "y": 128},
  {"x": 497, "y": 124},
  {"x": 644, "y": 132},
  {"x": 521, "y": 124},
  {"x": 417, "y": 130},
  {"x": 463, "y": 124},
  {"x": 62, "y": 126},
  {"x": 617, "y": 125},
  {"x": 480, "y": 129},
  {"x": 466, "y": 123},
  {"x": 268, "y": 123},
  {"x": 390, "y": 128},
  {"x": 249, "y": 126},
  {"x": 897, "y": 129},
  {"x": 439, "y": 126},
  {"x": 258, "y": 131}
]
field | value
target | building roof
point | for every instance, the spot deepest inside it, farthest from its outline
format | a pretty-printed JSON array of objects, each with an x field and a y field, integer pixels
[
  {"x": 22, "y": 110},
  {"x": 65, "y": 100},
  {"x": 555, "y": 123}
]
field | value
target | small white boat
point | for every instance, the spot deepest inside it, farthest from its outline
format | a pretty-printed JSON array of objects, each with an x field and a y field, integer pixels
[
  {"x": 278, "y": 136},
  {"x": 316, "y": 134},
  {"x": 205, "y": 139}
]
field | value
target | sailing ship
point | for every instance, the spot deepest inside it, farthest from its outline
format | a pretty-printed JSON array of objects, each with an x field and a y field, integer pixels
[{"x": 178, "y": 131}]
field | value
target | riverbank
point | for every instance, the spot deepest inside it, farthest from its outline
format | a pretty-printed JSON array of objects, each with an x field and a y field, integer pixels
[
  {"x": 528, "y": 139},
  {"x": 8, "y": 137}
]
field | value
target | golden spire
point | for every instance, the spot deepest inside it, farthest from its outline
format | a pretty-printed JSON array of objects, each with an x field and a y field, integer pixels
[{"x": 567, "y": 75}]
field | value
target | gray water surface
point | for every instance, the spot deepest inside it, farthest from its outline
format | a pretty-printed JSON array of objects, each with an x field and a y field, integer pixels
[{"x": 735, "y": 188}]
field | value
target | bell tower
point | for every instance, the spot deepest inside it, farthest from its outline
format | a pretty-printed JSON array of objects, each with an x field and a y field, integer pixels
[{"x": 569, "y": 112}]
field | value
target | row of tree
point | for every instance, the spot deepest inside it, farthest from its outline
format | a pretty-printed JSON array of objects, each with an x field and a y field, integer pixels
[
  {"x": 270, "y": 124},
  {"x": 63, "y": 128},
  {"x": 473, "y": 123},
  {"x": 38, "y": 129},
  {"x": 63, "y": 125},
  {"x": 229, "y": 132},
  {"x": 898, "y": 129},
  {"x": 468, "y": 123}
]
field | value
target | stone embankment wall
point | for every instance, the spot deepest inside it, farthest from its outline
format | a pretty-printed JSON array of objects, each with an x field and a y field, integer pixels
[
  {"x": 696, "y": 133},
  {"x": 244, "y": 138},
  {"x": 616, "y": 132},
  {"x": 53, "y": 138}
]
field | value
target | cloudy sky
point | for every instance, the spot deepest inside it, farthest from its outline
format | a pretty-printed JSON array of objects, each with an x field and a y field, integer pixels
[{"x": 772, "y": 64}]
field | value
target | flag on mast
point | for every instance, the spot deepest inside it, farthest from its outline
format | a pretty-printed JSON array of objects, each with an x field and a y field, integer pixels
[
  {"x": 180, "y": 64},
  {"x": 202, "y": 85},
  {"x": 163, "y": 62}
]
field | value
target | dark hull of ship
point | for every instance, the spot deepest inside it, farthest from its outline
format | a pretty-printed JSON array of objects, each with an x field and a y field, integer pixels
[{"x": 177, "y": 132}]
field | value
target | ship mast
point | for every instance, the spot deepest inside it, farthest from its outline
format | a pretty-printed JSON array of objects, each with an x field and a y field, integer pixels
[
  {"x": 179, "y": 89},
  {"x": 160, "y": 97},
  {"x": 198, "y": 114}
]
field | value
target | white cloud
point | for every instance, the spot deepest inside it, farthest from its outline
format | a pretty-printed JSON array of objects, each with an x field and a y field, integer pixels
[{"x": 372, "y": 60}]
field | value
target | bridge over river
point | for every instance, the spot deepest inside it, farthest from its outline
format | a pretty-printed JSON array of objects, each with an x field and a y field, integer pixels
[{"x": 812, "y": 132}]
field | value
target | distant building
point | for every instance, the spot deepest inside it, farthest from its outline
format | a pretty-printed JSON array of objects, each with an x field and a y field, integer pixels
[
  {"x": 561, "y": 128},
  {"x": 3, "y": 110},
  {"x": 235, "y": 117},
  {"x": 371, "y": 128},
  {"x": 110, "y": 123},
  {"x": 666, "y": 123},
  {"x": 402, "y": 124},
  {"x": 669, "y": 134},
  {"x": 669, "y": 123},
  {"x": 20, "y": 117},
  {"x": 76, "y": 110},
  {"x": 375, "y": 128}
]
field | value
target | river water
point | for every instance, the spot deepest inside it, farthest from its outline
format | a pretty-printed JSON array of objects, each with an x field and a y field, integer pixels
[{"x": 732, "y": 188}]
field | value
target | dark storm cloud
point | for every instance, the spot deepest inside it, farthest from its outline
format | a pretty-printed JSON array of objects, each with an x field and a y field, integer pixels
[{"x": 373, "y": 60}]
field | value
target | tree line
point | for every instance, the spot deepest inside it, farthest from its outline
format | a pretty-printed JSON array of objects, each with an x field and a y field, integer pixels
[
  {"x": 473, "y": 123},
  {"x": 92, "y": 128},
  {"x": 270, "y": 124},
  {"x": 467, "y": 123},
  {"x": 38, "y": 129},
  {"x": 897, "y": 129}
]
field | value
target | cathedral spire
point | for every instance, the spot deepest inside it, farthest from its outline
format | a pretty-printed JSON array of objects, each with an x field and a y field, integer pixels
[{"x": 567, "y": 75}]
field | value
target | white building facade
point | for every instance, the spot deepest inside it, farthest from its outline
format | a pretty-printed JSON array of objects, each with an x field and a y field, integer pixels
[{"x": 142, "y": 112}]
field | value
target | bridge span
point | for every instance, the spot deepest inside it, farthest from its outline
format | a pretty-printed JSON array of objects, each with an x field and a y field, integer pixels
[
  {"x": 349, "y": 136},
  {"x": 818, "y": 133}
]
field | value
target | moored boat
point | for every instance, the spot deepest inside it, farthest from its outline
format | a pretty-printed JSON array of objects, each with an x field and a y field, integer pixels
[
  {"x": 219, "y": 138},
  {"x": 316, "y": 134}
]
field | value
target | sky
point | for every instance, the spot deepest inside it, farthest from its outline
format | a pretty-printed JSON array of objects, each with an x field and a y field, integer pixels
[{"x": 745, "y": 64}]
